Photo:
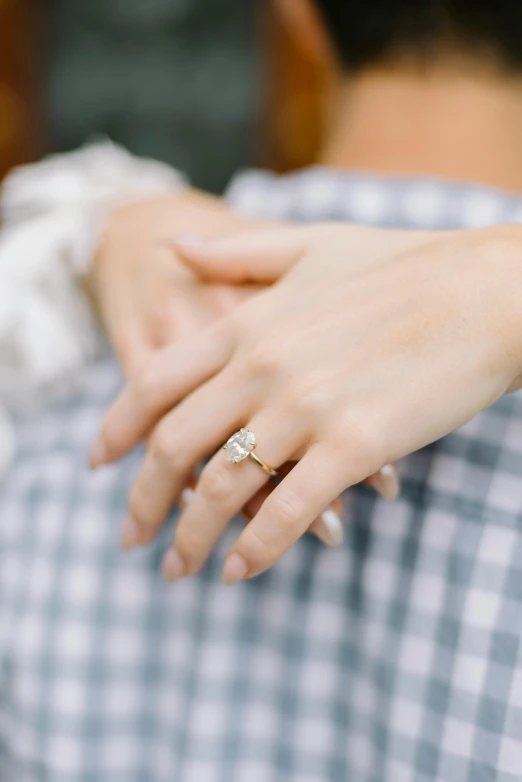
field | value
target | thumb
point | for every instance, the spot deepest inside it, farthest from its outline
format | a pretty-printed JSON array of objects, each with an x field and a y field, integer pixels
[{"x": 260, "y": 256}]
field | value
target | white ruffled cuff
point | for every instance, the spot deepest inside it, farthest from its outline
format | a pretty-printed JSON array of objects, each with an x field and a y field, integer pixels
[{"x": 52, "y": 214}]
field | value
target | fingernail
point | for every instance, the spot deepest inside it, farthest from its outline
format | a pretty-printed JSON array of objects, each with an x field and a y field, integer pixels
[
  {"x": 98, "y": 454},
  {"x": 387, "y": 483},
  {"x": 187, "y": 242},
  {"x": 130, "y": 534},
  {"x": 187, "y": 495},
  {"x": 332, "y": 530},
  {"x": 173, "y": 566},
  {"x": 235, "y": 569}
]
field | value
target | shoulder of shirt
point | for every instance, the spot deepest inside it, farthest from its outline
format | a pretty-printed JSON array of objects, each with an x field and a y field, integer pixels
[{"x": 319, "y": 193}]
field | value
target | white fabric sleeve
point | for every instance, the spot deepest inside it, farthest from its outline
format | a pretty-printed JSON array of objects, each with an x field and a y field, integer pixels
[{"x": 51, "y": 216}]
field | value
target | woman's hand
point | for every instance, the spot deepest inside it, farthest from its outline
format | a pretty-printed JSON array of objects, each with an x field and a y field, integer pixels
[
  {"x": 147, "y": 298},
  {"x": 374, "y": 344}
]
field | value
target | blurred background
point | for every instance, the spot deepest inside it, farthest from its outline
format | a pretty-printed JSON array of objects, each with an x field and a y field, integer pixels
[{"x": 207, "y": 85}]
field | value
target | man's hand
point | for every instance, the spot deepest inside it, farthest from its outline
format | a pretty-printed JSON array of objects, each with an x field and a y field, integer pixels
[{"x": 146, "y": 298}]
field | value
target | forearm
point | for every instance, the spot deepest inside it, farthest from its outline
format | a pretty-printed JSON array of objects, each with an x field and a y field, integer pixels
[{"x": 495, "y": 255}]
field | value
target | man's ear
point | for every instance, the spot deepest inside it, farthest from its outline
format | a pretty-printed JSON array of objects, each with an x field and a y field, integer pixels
[{"x": 305, "y": 25}]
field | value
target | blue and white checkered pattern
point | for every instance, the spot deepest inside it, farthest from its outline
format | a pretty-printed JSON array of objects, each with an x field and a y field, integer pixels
[{"x": 395, "y": 658}]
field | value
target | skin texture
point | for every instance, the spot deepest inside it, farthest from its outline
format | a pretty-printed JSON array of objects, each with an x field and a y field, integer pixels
[
  {"x": 349, "y": 362},
  {"x": 148, "y": 298},
  {"x": 145, "y": 296},
  {"x": 458, "y": 117},
  {"x": 466, "y": 114}
]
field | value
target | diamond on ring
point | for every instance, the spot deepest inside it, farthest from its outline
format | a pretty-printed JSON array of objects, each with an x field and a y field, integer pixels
[{"x": 239, "y": 446}]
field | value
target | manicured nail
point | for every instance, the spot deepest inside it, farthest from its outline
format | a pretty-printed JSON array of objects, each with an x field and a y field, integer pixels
[
  {"x": 98, "y": 454},
  {"x": 387, "y": 482},
  {"x": 173, "y": 566},
  {"x": 235, "y": 569},
  {"x": 187, "y": 495},
  {"x": 130, "y": 534},
  {"x": 331, "y": 530}
]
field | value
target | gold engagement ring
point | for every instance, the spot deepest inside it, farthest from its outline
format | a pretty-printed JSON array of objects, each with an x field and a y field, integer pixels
[{"x": 240, "y": 446}]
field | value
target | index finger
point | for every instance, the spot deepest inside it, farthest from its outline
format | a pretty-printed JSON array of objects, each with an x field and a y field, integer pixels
[{"x": 164, "y": 379}]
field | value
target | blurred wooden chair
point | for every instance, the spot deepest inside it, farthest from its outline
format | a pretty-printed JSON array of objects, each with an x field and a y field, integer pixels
[{"x": 21, "y": 126}]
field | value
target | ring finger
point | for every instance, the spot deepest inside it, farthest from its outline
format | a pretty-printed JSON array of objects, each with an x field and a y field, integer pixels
[
  {"x": 181, "y": 440},
  {"x": 224, "y": 488}
]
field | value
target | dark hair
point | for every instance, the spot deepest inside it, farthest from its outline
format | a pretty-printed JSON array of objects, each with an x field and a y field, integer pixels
[{"x": 369, "y": 32}]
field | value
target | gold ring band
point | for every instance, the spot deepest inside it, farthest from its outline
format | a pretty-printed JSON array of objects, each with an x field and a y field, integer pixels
[
  {"x": 264, "y": 466},
  {"x": 241, "y": 445}
]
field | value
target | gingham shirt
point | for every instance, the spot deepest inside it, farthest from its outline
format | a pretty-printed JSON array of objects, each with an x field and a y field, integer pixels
[{"x": 394, "y": 658}]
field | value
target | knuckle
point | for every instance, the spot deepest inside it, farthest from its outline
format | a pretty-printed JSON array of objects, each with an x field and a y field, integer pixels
[
  {"x": 191, "y": 550},
  {"x": 216, "y": 484},
  {"x": 163, "y": 446},
  {"x": 304, "y": 403},
  {"x": 259, "y": 553},
  {"x": 264, "y": 359},
  {"x": 288, "y": 509},
  {"x": 356, "y": 438},
  {"x": 145, "y": 383},
  {"x": 262, "y": 546}
]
